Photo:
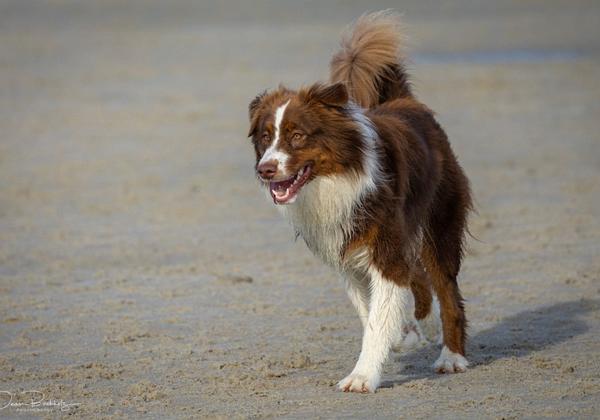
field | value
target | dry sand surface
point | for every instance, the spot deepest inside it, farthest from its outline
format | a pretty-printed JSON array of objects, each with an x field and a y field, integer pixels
[{"x": 143, "y": 274}]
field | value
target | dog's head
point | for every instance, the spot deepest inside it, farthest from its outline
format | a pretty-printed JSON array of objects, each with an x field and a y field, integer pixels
[{"x": 301, "y": 135}]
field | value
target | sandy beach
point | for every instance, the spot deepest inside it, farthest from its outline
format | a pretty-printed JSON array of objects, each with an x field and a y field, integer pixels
[{"x": 143, "y": 274}]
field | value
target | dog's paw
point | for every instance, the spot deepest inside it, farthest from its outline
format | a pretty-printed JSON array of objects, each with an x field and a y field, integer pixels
[
  {"x": 450, "y": 362},
  {"x": 410, "y": 338},
  {"x": 356, "y": 382}
]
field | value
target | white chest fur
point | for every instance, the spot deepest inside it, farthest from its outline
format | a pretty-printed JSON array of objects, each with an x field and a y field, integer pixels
[
  {"x": 323, "y": 211},
  {"x": 322, "y": 214}
]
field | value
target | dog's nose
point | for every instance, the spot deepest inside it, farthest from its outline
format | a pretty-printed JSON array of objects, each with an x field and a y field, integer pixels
[{"x": 268, "y": 169}]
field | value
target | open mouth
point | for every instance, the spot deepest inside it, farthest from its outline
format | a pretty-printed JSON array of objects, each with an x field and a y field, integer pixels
[{"x": 285, "y": 192}]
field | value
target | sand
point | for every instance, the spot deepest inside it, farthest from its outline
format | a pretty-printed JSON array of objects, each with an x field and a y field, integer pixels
[{"x": 143, "y": 273}]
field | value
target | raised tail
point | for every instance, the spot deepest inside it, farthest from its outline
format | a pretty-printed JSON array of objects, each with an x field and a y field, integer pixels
[{"x": 369, "y": 61}]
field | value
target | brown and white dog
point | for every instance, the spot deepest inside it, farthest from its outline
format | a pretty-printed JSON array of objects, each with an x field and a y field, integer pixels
[{"x": 367, "y": 178}]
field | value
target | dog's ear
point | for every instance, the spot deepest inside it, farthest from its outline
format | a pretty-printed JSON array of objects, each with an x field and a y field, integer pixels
[
  {"x": 255, "y": 104},
  {"x": 252, "y": 112},
  {"x": 333, "y": 95}
]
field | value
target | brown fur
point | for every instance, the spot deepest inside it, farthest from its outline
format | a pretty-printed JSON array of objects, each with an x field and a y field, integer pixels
[
  {"x": 421, "y": 287},
  {"x": 414, "y": 223},
  {"x": 318, "y": 113},
  {"x": 426, "y": 202},
  {"x": 369, "y": 61}
]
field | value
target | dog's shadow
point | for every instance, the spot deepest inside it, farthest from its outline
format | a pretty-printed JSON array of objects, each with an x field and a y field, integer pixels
[{"x": 516, "y": 336}]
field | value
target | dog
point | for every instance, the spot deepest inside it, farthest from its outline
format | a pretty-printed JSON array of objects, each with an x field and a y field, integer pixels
[{"x": 367, "y": 178}]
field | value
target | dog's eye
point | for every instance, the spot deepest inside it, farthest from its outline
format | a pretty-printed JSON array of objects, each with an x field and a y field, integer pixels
[
  {"x": 297, "y": 138},
  {"x": 266, "y": 138}
]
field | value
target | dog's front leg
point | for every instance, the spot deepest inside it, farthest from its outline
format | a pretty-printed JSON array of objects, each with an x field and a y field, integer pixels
[
  {"x": 390, "y": 305},
  {"x": 357, "y": 287}
]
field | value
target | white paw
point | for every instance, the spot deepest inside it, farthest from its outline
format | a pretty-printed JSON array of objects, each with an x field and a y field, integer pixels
[
  {"x": 409, "y": 338},
  {"x": 356, "y": 382},
  {"x": 450, "y": 362}
]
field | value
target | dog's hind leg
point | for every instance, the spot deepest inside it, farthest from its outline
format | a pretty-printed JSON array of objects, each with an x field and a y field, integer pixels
[
  {"x": 442, "y": 255},
  {"x": 414, "y": 334},
  {"x": 431, "y": 324},
  {"x": 427, "y": 307}
]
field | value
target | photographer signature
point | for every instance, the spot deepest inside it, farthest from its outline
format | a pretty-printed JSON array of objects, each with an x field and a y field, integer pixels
[{"x": 33, "y": 400}]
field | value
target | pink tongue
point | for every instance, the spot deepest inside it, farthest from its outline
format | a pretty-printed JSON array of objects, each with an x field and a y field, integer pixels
[{"x": 281, "y": 185}]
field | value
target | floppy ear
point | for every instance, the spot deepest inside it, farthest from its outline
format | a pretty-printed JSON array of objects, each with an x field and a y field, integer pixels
[
  {"x": 333, "y": 95},
  {"x": 256, "y": 103},
  {"x": 252, "y": 112}
]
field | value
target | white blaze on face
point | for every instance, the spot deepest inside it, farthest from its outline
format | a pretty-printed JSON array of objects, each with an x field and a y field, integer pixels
[{"x": 273, "y": 153}]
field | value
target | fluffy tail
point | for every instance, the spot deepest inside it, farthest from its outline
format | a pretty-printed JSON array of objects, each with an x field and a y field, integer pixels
[{"x": 369, "y": 61}]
